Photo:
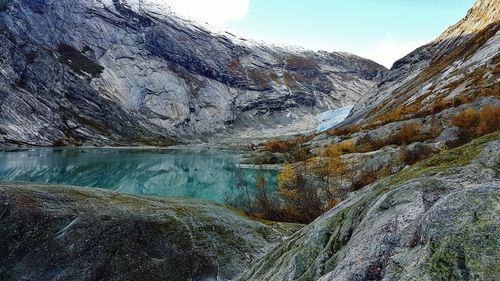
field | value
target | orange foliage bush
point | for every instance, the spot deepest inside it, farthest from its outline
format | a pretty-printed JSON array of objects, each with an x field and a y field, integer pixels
[
  {"x": 338, "y": 149},
  {"x": 489, "y": 120},
  {"x": 474, "y": 124},
  {"x": 279, "y": 146},
  {"x": 303, "y": 139},
  {"x": 409, "y": 132},
  {"x": 344, "y": 131}
]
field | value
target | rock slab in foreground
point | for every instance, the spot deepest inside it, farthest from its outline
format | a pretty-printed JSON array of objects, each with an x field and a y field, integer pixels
[{"x": 65, "y": 233}]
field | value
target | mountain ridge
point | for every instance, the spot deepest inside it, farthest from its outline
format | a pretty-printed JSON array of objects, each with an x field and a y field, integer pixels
[
  {"x": 429, "y": 63},
  {"x": 170, "y": 79}
]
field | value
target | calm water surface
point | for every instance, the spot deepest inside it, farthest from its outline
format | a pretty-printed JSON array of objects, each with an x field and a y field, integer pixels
[{"x": 209, "y": 175}]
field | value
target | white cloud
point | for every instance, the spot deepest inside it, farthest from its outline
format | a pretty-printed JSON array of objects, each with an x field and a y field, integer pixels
[
  {"x": 389, "y": 50},
  {"x": 219, "y": 13},
  {"x": 215, "y": 12}
]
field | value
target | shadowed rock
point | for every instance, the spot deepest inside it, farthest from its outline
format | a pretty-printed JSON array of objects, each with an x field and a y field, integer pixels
[{"x": 65, "y": 233}]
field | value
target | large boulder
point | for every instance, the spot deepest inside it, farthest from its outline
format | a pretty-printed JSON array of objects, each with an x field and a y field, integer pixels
[{"x": 66, "y": 233}]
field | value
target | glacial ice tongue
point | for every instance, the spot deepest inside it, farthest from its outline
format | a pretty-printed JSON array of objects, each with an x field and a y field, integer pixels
[{"x": 328, "y": 119}]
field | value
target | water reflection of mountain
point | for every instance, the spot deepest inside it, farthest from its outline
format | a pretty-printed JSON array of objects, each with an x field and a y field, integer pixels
[{"x": 204, "y": 175}]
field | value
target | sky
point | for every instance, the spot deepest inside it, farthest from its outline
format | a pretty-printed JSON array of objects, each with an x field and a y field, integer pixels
[{"x": 381, "y": 30}]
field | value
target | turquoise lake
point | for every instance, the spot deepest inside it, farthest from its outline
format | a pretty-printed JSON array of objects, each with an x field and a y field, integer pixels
[{"x": 208, "y": 175}]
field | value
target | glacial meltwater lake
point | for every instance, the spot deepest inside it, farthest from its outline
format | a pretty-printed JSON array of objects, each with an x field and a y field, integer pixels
[{"x": 208, "y": 175}]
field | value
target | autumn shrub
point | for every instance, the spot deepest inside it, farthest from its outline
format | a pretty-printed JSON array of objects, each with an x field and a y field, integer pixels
[
  {"x": 344, "y": 131},
  {"x": 279, "y": 146},
  {"x": 297, "y": 197},
  {"x": 467, "y": 121},
  {"x": 438, "y": 106},
  {"x": 287, "y": 146},
  {"x": 338, "y": 149},
  {"x": 493, "y": 90},
  {"x": 303, "y": 139},
  {"x": 408, "y": 133},
  {"x": 473, "y": 124},
  {"x": 367, "y": 143},
  {"x": 489, "y": 120},
  {"x": 299, "y": 200}
]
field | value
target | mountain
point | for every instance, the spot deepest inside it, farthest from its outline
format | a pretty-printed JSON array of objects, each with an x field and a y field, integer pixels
[
  {"x": 463, "y": 61},
  {"x": 110, "y": 72},
  {"x": 439, "y": 96},
  {"x": 411, "y": 178},
  {"x": 409, "y": 202}
]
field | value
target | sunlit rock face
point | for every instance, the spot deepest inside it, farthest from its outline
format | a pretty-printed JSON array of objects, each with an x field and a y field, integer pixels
[{"x": 105, "y": 72}]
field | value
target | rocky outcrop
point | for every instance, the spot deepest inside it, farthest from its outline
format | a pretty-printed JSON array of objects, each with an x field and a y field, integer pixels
[
  {"x": 65, "y": 233},
  {"x": 130, "y": 72},
  {"x": 433, "y": 221}
]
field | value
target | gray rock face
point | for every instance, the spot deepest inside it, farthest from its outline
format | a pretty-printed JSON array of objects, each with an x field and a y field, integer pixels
[
  {"x": 433, "y": 221},
  {"x": 111, "y": 71},
  {"x": 65, "y": 233}
]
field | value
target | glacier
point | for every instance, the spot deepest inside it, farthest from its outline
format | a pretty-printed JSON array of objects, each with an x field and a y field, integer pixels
[{"x": 328, "y": 119}]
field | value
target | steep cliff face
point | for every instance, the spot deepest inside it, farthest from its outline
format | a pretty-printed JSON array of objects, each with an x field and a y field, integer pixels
[
  {"x": 463, "y": 61},
  {"x": 111, "y": 71}
]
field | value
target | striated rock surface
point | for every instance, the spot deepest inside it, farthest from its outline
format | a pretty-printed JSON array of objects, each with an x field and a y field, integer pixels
[
  {"x": 434, "y": 221},
  {"x": 131, "y": 72},
  {"x": 65, "y": 233}
]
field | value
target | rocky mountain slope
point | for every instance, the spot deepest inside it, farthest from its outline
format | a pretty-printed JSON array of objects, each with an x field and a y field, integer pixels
[
  {"x": 434, "y": 221},
  {"x": 130, "y": 71},
  {"x": 431, "y": 100},
  {"x": 463, "y": 61}
]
